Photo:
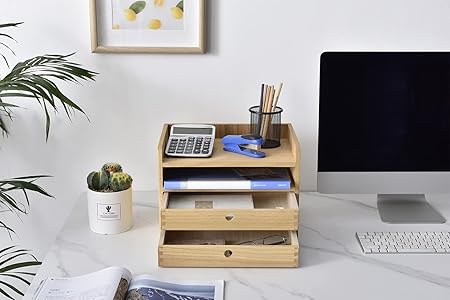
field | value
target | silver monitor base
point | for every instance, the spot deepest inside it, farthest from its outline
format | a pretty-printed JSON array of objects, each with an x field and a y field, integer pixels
[{"x": 407, "y": 209}]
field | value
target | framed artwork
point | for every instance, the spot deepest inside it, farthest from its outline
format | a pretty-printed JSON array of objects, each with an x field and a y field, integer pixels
[{"x": 148, "y": 26}]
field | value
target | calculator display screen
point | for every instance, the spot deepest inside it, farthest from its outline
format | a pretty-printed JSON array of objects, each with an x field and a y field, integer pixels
[{"x": 191, "y": 130}]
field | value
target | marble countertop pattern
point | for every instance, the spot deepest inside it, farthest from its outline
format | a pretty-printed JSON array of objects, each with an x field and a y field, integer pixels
[{"x": 332, "y": 265}]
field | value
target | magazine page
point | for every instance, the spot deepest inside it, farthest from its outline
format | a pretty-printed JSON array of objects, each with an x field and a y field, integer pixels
[
  {"x": 144, "y": 287},
  {"x": 107, "y": 284}
]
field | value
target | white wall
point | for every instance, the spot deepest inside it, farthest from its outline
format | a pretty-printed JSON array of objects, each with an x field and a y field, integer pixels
[{"x": 249, "y": 42}]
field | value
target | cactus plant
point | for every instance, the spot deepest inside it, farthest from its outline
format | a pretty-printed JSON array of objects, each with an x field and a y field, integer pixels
[
  {"x": 109, "y": 179},
  {"x": 98, "y": 180},
  {"x": 120, "y": 181},
  {"x": 112, "y": 167}
]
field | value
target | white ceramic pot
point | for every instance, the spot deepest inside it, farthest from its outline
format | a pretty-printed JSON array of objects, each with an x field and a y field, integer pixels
[{"x": 110, "y": 213}]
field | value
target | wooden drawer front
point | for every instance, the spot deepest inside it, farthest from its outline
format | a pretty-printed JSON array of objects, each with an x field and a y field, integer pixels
[
  {"x": 266, "y": 215},
  {"x": 185, "y": 255}
]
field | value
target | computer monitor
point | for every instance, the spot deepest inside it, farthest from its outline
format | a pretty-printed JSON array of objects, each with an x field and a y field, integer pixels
[{"x": 384, "y": 128}]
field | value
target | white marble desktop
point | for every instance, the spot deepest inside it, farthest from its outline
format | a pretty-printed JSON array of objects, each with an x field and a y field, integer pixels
[{"x": 332, "y": 265}]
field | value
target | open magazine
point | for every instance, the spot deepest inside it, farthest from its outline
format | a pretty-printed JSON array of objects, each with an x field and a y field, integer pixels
[{"x": 116, "y": 283}]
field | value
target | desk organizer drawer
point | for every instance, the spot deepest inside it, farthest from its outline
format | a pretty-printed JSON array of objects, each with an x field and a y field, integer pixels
[
  {"x": 225, "y": 249},
  {"x": 272, "y": 211}
]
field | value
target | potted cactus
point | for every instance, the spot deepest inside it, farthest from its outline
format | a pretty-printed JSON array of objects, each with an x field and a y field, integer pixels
[{"x": 109, "y": 199}]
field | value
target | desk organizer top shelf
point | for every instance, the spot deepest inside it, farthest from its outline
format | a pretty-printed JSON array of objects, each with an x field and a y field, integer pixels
[{"x": 286, "y": 156}]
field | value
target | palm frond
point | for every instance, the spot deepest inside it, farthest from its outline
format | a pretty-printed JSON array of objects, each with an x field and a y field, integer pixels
[
  {"x": 34, "y": 77},
  {"x": 10, "y": 24},
  {"x": 14, "y": 265},
  {"x": 25, "y": 185},
  {"x": 7, "y": 36}
]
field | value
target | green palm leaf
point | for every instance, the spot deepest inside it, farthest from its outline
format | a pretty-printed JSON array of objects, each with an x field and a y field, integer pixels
[
  {"x": 7, "y": 37},
  {"x": 33, "y": 79},
  {"x": 14, "y": 266},
  {"x": 25, "y": 185}
]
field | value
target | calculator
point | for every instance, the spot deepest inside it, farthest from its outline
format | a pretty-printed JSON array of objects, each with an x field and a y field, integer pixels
[{"x": 191, "y": 140}]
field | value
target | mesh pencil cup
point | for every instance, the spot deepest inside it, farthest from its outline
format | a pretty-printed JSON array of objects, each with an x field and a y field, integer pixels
[{"x": 267, "y": 125}]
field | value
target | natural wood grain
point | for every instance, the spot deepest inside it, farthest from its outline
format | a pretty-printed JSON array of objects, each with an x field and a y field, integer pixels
[
  {"x": 238, "y": 255},
  {"x": 199, "y": 48},
  {"x": 172, "y": 255},
  {"x": 93, "y": 23},
  {"x": 160, "y": 152},
  {"x": 202, "y": 28},
  {"x": 282, "y": 157},
  {"x": 295, "y": 148},
  {"x": 161, "y": 50},
  {"x": 266, "y": 215}
]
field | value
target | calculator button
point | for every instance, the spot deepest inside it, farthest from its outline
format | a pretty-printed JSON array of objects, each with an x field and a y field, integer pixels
[
  {"x": 188, "y": 152},
  {"x": 196, "y": 151},
  {"x": 171, "y": 151},
  {"x": 205, "y": 151}
]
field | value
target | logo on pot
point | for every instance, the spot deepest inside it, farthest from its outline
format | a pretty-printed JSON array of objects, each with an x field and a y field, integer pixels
[{"x": 108, "y": 212}]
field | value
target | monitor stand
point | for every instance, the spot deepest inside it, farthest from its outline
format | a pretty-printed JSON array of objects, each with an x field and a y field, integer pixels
[{"x": 407, "y": 209}]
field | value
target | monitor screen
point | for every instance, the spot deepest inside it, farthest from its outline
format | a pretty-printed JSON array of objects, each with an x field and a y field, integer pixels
[{"x": 384, "y": 112}]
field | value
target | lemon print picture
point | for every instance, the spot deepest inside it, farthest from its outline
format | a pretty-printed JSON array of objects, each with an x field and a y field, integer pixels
[
  {"x": 133, "y": 10},
  {"x": 178, "y": 11},
  {"x": 149, "y": 15}
]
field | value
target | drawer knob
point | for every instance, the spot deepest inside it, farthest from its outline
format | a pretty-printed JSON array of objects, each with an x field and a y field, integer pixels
[
  {"x": 227, "y": 253},
  {"x": 229, "y": 217}
]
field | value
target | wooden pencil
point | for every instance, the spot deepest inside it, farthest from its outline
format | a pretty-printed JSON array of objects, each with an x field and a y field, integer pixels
[
  {"x": 268, "y": 111},
  {"x": 277, "y": 96}
]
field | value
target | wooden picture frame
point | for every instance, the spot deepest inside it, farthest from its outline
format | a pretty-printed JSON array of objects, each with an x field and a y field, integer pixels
[{"x": 197, "y": 46}]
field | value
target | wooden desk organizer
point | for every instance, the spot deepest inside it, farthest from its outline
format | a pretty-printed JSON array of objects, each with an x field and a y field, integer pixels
[{"x": 179, "y": 226}]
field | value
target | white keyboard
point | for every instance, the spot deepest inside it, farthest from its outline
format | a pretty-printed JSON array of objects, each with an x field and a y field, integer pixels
[{"x": 404, "y": 242}]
